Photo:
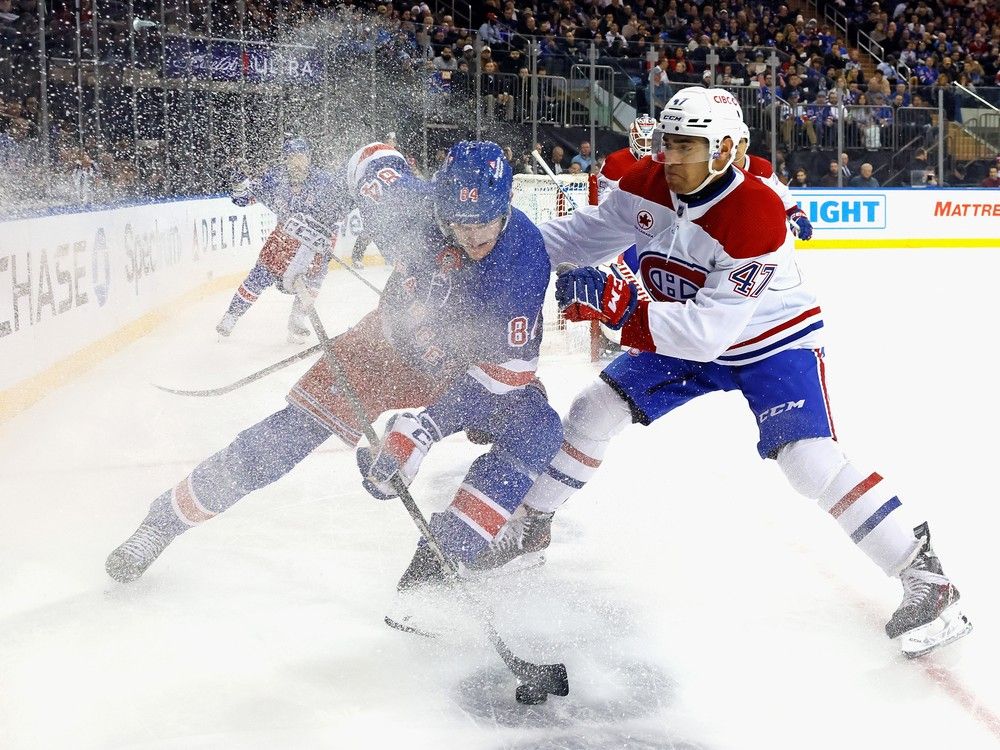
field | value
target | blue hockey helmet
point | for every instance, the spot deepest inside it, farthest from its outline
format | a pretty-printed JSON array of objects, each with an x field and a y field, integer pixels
[
  {"x": 295, "y": 146},
  {"x": 474, "y": 185}
]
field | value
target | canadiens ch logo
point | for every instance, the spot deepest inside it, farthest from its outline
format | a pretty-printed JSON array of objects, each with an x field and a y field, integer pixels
[{"x": 645, "y": 220}]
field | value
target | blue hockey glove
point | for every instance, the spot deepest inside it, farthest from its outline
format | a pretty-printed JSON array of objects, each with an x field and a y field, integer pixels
[
  {"x": 590, "y": 294},
  {"x": 241, "y": 192},
  {"x": 801, "y": 226},
  {"x": 408, "y": 438}
]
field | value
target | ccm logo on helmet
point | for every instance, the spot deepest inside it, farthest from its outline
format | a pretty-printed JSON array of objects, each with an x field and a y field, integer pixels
[{"x": 725, "y": 99}]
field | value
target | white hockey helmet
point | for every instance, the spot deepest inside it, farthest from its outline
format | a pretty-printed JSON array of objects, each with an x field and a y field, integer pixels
[
  {"x": 712, "y": 114},
  {"x": 360, "y": 160},
  {"x": 640, "y": 136}
]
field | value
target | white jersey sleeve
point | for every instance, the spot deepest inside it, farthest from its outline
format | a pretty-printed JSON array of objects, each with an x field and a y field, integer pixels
[
  {"x": 592, "y": 234},
  {"x": 604, "y": 187},
  {"x": 782, "y": 190}
]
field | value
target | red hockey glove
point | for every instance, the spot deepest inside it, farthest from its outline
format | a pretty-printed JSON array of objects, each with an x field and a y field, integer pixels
[{"x": 590, "y": 294}]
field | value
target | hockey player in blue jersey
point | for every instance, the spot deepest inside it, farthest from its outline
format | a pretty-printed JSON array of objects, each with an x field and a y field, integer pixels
[
  {"x": 455, "y": 338},
  {"x": 307, "y": 203}
]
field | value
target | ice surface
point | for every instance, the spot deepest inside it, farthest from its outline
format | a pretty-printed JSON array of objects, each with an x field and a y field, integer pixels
[{"x": 696, "y": 600}]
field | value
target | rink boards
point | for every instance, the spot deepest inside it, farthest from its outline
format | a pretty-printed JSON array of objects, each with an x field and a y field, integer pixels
[{"x": 75, "y": 287}]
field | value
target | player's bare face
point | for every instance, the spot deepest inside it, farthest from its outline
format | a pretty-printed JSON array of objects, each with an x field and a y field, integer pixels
[
  {"x": 685, "y": 161},
  {"x": 477, "y": 240},
  {"x": 298, "y": 166}
]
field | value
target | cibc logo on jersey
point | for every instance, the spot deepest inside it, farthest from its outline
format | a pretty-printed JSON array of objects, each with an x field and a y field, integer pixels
[{"x": 668, "y": 279}]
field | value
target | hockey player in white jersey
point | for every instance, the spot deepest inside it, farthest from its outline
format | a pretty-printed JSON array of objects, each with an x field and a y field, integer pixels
[{"x": 730, "y": 311}]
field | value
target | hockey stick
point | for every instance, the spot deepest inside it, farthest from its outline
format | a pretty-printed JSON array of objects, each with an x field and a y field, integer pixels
[
  {"x": 541, "y": 162},
  {"x": 270, "y": 368},
  {"x": 248, "y": 379},
  {"x": 537, "y": 680}
]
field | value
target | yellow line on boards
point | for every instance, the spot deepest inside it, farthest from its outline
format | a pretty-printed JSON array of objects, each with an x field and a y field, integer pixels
[
  {"x": 29, "y": 391},
  {"x": 893, "y": 244}
]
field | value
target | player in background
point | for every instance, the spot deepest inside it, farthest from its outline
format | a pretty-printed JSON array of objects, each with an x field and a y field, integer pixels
[
  {"x": 455, "y": 337},
  {"x": 640, "y": 139},
  {"x": 305, "y": 200},
  {"x": 760, "y": 167},
  {"x": 730, "y": 312}
]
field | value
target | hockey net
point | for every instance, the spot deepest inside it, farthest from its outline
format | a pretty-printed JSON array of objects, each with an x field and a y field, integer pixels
[{"x": 542, "y": 200}]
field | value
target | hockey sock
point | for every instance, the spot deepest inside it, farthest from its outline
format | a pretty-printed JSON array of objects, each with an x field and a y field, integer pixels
[
  {"x": 241, "y": 301},
  {"x": 491, "y": 492},
  {"x": 596, "y": 416},
  {"x": 257, "y": 457},
  {"x": 862, "y": 503}
]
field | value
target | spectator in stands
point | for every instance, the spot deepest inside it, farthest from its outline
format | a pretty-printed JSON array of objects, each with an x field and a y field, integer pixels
[
  {"x": 992, "y": 180},
  {"x": 556, "y": 160},
  {"x": 490, "y": 32},
  {"x": 864, "y": 179},
  {"x": 800, "y": 180},
  {"x": 919, "y": 162},
  {"x": 862, "y": 117},
  {"x": 584, "y": 158},
  {"x": 831, "y": 178},
  {"x": 468, "y": 57},
  {"x": 446, "y": 60},
  {"x": 781, "y": 167},
  {"x": 574, "y": 168},
  {"x": 845, "y": 168},
  {"x": 660, "y": 82},
  {"x": 793, "y": 118},
  {"x": 498, "y": 91},
  {"x": 879, "y": 84}
]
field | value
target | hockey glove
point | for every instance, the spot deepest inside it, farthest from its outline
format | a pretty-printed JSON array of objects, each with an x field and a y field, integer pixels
[
  {"x": 801, "y": 226},
  {"x": 408, "y": 438},
  {"x": 242, "y": 194},
  {"x": 590, "y": 294}
]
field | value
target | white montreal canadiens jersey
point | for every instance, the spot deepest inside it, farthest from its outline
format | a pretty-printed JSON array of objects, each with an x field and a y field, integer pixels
[
  {"x": 720, "y": 271},
  {"x": 760, "y": 167}
]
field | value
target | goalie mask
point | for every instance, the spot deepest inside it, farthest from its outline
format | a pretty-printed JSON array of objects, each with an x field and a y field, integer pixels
[
  {"x": 693, "y": 126},
  {"x": 640, "y": 136},
  {"x": 472, "y": 194}
]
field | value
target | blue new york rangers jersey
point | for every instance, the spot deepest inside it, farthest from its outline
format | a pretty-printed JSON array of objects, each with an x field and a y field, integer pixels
[
  {"x": 448, "y": 314},
  {"x": 319, "y": 196},
  {"x": 454, "y": 315}
]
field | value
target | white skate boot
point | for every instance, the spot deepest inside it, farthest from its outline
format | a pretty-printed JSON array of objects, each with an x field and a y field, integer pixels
[
  {"x": 929, "y": 616},
  {"x": 298, "y": 331},
  {"x": 131, "y": 558},
  {"x": 226, "y": 325}
]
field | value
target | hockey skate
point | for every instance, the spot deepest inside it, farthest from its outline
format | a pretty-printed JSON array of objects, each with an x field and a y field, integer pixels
[
  {"x": 226, "y": 325},
  {"x": 422, "y": 605},
  {"x": 298, "y": 332},
  {"x": 524, "y": 539},
  {"x": 130, "y": 559},
  {"x": 929, "y": 616}
]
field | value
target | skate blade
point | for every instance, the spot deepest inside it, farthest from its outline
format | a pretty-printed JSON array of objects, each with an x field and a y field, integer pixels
[
  {"x": 949, "y": 626},
  {"x": 402, "y": 626},
  {"x": 520, "y": 564}
]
